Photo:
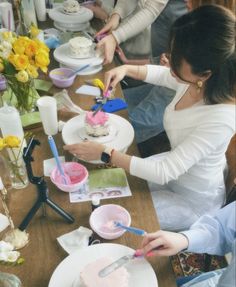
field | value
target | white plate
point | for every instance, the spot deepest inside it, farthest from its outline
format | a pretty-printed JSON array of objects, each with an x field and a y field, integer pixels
[
  {"x": 140, "y": 270},
  {"x": 89, "y": 71},
  {"x": 82, "y": 16},
  {"x": 71, "y": 27},
  {"x": 121, "y": 141},
  {"x": 62, "y": 55}
]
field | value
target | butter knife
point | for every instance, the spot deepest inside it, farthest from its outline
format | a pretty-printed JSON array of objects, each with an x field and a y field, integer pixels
[{"x": 116, "y": 264}]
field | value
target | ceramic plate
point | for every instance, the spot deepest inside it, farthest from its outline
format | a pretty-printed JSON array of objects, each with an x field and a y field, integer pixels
[
  {"x": 67, "y": 272},
  {"x": 62, "y": 55},
  {"x": 121, "y": 141}
]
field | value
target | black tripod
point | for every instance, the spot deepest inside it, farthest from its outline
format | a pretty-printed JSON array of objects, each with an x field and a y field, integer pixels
[{"x": 41, "y": 188}]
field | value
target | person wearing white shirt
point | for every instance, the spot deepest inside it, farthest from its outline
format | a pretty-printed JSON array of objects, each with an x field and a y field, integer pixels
[
  {"x": 199, "y": 122},
  {"x": 213, "y": 234}
]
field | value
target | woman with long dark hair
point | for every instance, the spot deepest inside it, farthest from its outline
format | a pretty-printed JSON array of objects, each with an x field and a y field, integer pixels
[{"x": 199, "y": 122}]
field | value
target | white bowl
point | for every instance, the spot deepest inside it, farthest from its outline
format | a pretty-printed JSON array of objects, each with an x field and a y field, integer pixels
[{"x": 102, "y": 220}]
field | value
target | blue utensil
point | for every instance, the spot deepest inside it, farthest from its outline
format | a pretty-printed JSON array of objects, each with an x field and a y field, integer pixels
[
  {"x": 54, "y": 150},
  {"x": 78, "y": 70},
  {"x": 134, "y": 230}
]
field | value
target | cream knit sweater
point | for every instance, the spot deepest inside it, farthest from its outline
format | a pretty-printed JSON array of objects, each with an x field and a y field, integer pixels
[{"x": 136, "y": 19}]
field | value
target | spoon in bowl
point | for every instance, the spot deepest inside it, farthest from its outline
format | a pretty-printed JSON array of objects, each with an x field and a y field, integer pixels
[{"x": 134, "y": 230}]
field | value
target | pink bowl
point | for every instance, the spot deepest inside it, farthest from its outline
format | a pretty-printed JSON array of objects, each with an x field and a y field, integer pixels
[
  {"x": 60, "y": 77},
  {"x": 102, "y": 220},
  {"x": 77, "y": 174}
]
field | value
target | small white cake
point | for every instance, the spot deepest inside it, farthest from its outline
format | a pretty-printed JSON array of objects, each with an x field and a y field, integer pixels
[
  {"x": 81, "y": 47},
  {"x": 89, "y": 275},
  {"x": 97, "y": 125},
  {"x": 71, "y": 6}
]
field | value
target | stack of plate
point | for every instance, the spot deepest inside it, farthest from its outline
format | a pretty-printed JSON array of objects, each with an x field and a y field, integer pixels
[{"x": 78, "y": 21}]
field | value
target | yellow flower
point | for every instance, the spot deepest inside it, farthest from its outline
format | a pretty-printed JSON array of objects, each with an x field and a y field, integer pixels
[
  {"x": 2, "y": 144},
  {"x": 12, "y": 141},
  {"x": 31, "y": 48},
  {"x": 32, "y": 71},
  {"x": 20, "y": 62},
  {"x": 42, "y": 60},
  {"x": 34, "y": 31},
  {"x": 20, "y": 44},
  {"x": 22, "y": 76}
]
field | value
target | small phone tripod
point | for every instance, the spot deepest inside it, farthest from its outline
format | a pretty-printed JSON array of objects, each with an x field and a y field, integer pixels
[{"x": 41, "y": 188}]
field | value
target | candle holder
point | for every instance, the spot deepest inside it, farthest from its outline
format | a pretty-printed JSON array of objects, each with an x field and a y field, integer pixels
[{"x": 41, "y": 189}]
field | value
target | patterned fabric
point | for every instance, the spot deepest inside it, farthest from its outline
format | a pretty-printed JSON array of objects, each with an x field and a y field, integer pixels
[{"x": 187, "y": 264}]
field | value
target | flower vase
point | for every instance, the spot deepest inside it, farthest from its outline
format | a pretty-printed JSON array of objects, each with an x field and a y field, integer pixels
[
  {"x": 22, "y": 95},
  {"x": 18, "y": 173}
]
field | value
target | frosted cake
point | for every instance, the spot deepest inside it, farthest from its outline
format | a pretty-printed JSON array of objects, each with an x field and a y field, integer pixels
[
  {"x": 71, "y": 6},
  {"x": 89, "y": 275},
  {"x": 97, "y": 125},
  {"x": 81, "y": 47}
]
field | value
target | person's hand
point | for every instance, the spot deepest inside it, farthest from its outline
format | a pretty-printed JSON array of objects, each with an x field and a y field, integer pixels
[
  {"x": 111, "y": 25},
  {"x": 164, "y": 61},
  {"x": 121, "y": 54},
  {"x": 163, "y": 243},
  {"x": 108, "y": 46},
  {"x": 114, "y": 76},
  {"x": 98, "y": 11},
  {"x": 86, "y": 150}
]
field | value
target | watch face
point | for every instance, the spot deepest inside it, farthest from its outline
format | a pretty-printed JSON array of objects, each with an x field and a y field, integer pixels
[{"x": 105, "y": 157}]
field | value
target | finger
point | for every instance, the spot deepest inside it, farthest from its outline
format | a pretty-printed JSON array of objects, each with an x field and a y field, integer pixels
[
  {"x": 70, "y": 147},
  {"x": 104, "y": 30},
  {"x": 147, "y": 238},
  {"x": 153, "y": 245},
  {"x": 107, "y": 81}
]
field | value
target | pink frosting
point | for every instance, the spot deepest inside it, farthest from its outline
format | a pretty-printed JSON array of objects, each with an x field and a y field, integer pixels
[{"x": 99, "y": 119}]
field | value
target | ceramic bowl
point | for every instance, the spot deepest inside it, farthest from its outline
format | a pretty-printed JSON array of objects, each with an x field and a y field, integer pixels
[
  {"x": 102, "y": 220},
  {"x": 60, "y": 77},
  {"x": 76, "y": 174}
]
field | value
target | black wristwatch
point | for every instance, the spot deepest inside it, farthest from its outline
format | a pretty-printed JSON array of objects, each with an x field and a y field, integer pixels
[{"x": 106, "y": 154}]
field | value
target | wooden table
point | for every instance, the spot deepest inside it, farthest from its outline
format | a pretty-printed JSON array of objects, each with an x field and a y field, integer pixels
[{"x": 43, "y": 254}]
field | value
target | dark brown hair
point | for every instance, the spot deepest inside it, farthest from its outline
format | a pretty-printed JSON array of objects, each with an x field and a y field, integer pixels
[{"x": 205, "y": 38}]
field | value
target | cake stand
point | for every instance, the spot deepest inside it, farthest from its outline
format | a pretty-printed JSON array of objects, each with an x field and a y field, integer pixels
[
  {"x": 120, "y": 138},
  {"x": 78, "y": 21},
  {"x": 62, "y": 55}
]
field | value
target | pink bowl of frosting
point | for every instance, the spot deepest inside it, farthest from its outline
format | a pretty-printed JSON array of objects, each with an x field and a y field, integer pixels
[
  {"x": 76, "y": 175},
  {"x": 102, "y": 220}
]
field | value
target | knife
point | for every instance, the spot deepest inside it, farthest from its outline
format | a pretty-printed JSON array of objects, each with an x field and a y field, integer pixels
[
  {"x": 125, "y": 259},
  {"x": 116, "y": 264}
]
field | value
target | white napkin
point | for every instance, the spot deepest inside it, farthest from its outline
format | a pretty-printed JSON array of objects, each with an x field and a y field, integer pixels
[
  {"x": 4, "y": 222},
  {"x": 89, "y": 90},
  {"x": 75, "y": 239}
]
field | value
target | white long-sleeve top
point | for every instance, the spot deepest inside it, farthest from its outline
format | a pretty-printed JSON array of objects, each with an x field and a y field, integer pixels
[
  {"x": 199, "y": 137},
  {"x": 137, "y": 16}
]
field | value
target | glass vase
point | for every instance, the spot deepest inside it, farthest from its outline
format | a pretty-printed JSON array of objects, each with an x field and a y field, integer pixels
[
  {"x": 22, "y": 95},
  {"x": 5, "y": 173},
  {"x": 18, "y": 173}
]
